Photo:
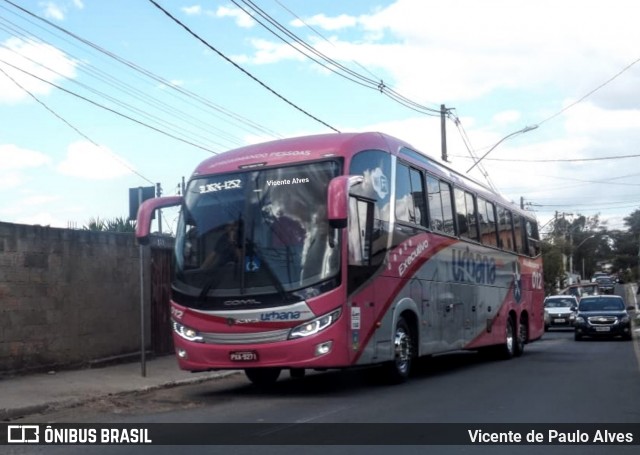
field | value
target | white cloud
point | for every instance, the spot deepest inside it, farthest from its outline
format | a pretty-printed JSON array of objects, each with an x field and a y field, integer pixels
[
  {"x": 14, "y": 161},
  {"x": 53, "y": 11},
  {"x": 11, "y": 180},
  {"x": 242, "y": 19},
  {"x": 194, "y": 10},
  {"x": 507, "y": 117},
  {"x": 85, "y": 160},
  {"x": 57, "y": 10},
  {"x": 13, "y": 157},
  {"x": 270, "y": 52},
  {"x": 52, "y": 65},
  {"x": 340, "y": 22}
]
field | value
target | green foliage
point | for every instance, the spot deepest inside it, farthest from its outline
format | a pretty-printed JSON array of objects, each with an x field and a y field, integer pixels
[
  {"x": 553, "y": 267},
  {"x": 118, "y": 224},
  {"x": 588, "y": 243}
]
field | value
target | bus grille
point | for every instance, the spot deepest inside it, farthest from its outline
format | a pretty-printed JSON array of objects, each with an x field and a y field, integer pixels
[{"x": 245, "y": 338}]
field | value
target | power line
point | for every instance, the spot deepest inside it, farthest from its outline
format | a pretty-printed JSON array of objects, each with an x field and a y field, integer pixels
[
  {"x": 554, "y": 160},
  {"x": 59, "y": 117},
  {"x": 110, "y": 109},
  {"x": 467, "y": 143},
  {"x": 566, "y": 108},
  {"x": 212, "y": 109},
  {"x": 329, "y": 63},
  {"x": 247, "y": 73}
]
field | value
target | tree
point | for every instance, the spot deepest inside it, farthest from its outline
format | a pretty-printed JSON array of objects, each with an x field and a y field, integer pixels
[
  {"x": 553, "y": 269},
  {"x": 633, "y": 222}
]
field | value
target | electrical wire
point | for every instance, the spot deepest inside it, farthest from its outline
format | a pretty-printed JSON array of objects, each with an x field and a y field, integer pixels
[
  {"x": 113, "y": 111},
  {"x": 555, "y": 160},
  {"x": 174, "y": 90},
  {"x": 238, "y": 67},
  {"x": 327, "y": 62},
  {"x": 63, "y": 120},
  {"x": 591, "y": 92}
]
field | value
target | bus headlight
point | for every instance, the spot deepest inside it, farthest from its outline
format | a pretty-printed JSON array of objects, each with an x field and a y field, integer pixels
[
  {"x": 315, "y": 325},
  {"x": 187, "y": 332}
]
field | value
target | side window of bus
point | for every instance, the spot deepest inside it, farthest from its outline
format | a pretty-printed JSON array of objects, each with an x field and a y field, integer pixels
[
  {"x": 487, "y": 220},
  {"x": 518, "y": 229},
  {"x": 359, "y": 232},
  {"x": 466, "y": 214},
  {"x": 409, "y": 195},
  {"x": 440, "y": 208},
  {"x": 375, "y": 168},
  {"x": 533, "y": 238},
  {"x": 505, "y": 230},
  {"x": 417, "y": 192}
]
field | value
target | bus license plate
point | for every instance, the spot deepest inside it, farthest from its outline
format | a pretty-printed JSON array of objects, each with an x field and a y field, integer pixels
[
  {"x": 603, "y": 329},
  {"x": 243, "y": 356}
]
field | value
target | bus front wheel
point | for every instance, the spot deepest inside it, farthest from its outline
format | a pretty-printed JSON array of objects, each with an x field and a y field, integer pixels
[
  {"x": 262, "y": 377},
  {"x": 399, "y": 368}
]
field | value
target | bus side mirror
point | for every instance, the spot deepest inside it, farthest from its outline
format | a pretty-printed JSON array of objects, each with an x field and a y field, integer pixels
[
  {"x": 338, "y": 199},
  {"x": 145, "y": 214}
]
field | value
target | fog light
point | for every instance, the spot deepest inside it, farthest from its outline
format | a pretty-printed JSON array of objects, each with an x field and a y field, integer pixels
[
  {"x": 323, "y": 348},
  {"x": 181, "y": 353}
]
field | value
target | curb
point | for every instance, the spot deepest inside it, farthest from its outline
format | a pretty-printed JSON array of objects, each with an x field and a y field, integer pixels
[{"x": 8, "y": 414}]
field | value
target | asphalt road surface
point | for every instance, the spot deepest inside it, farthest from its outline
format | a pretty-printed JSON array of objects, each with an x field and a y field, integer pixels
[{"x": 556, "y": 381}]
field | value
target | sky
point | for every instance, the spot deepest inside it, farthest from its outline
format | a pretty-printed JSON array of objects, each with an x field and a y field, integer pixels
[{"x": 97, "y": 97}]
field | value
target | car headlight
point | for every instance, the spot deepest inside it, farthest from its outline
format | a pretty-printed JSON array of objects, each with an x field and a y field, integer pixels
[
  {"x": 187, "y": 333},
  {"x": 315, "y": 325},
  {"x": 625, "y": 319},
  {"x": 579, "y": 320}
]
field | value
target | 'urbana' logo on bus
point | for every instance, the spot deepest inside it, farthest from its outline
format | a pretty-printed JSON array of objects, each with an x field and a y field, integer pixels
[
  {"x": 280, "y": 316},
  {"x": 472, "y": 268}
]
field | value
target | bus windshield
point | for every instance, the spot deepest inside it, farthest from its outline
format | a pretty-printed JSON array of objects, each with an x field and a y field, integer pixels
[{"x": 257, "y": 232}]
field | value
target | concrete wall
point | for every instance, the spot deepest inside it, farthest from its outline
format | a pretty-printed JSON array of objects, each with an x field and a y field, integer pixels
[{"x": 67, "y": 297}]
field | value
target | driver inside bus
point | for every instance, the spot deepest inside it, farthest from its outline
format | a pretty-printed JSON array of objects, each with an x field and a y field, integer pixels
[{"x": 227, "y": 248}]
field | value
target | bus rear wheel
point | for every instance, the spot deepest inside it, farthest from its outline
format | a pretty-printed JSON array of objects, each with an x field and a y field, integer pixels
[
  {"x": 523, "y": 336},
  {"x": 399, "y": 368},
  {"x": 509, "y": 348},
  {"x": 262, "y": 377}
]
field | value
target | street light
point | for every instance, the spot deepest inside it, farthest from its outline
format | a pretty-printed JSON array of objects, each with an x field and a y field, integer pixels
[
  {"x": 576, "y": 249},
  {"x": 523, "y": 130}
]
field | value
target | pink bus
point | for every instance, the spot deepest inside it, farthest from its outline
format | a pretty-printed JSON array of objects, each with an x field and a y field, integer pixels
[{"x": 343, "y": 250}]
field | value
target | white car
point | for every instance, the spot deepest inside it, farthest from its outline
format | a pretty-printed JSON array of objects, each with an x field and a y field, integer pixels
[{"x": 559, "y": 311}]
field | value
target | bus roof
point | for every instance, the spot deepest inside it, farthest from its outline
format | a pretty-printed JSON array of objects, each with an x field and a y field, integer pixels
[
  {"x": 289, "y": 150},
  {"x": 321, "y": 146}
]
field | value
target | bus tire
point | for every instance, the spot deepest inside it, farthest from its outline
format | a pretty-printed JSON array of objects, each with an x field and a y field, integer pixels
[
  {"x": 262, "y": 377},
  {"x": 508, "y": 348},
  {"x": 522, "y": 336},
  {"x": 399, "y": 368}
]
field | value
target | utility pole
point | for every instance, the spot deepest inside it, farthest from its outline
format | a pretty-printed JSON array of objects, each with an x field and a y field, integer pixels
[
  {"x": 522, "y": 202},
  {"x": 443, "y": 131},
  {"x": 158, "y": 194}
]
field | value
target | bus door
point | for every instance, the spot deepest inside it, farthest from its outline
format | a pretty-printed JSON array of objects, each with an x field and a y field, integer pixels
[{"x": 362, "y": 309}]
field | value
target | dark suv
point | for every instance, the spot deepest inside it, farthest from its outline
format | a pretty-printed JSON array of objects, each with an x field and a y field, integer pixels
[
  {"x": 605, "y": 285},
  {"x": 602, "y": 315}
]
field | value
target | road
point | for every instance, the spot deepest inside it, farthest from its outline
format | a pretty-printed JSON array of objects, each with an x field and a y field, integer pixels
[{"x": 557, "y": 381}]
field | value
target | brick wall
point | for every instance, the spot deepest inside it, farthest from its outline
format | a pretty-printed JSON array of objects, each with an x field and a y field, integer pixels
[{"x": 67, "y": 297}]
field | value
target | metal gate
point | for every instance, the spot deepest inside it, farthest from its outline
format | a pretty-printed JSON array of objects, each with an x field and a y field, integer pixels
[{"x": 160, "y": 315}]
